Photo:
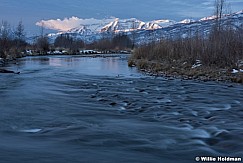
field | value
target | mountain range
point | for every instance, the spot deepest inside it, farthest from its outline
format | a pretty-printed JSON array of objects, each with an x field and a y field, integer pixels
[
  {"x": 115, "y": 25},
  {"x": 148, "y": 31}
]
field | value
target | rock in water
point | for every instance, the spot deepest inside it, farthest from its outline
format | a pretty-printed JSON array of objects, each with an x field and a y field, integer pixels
[{"x": 7, "y": 71}]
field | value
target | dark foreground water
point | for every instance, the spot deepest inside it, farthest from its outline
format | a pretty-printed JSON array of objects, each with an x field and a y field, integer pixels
[{"x": 64, "y": 109}]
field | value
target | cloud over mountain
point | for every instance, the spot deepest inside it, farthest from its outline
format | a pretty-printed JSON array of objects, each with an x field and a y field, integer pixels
[
  {"x": 69, "y": 23},
  {"x": 60, "y": 25}
]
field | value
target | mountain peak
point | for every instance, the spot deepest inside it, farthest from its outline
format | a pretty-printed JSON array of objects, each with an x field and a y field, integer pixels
[
  {"x": 122, "y": 25},
  {"x": 187, "y": 21}
]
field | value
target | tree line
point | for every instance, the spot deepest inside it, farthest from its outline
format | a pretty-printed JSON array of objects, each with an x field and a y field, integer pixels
[
  {"x": 118, "y": 42},
  {"x": 13, "y": 42}
]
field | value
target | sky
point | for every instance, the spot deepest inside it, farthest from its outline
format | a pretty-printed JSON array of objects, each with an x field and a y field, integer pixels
[{"x": 32, "y": 11}]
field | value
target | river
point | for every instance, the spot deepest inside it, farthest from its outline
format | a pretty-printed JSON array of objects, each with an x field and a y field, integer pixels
[{"x": 71, "y": 109}]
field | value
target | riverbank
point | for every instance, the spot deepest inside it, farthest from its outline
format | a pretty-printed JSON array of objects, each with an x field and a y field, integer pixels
[
  {"x": 187, "y": 71},
  {"x": 217, "y": 57}
]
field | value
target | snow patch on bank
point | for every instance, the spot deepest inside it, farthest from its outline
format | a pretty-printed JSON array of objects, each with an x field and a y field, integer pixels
[
  {"x": 234, "y": 71},
  {"x": 197, "y": 64}
]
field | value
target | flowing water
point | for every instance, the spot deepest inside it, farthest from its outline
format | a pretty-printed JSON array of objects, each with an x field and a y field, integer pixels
[{"x": 71, "y": 109}]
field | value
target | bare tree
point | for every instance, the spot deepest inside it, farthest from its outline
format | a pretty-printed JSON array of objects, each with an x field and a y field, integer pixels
[
  {"x": 19, "y": 33},
  {"x": 5, "y": 37},
  {"x": 133, "y": 34},
  {"x": 121, "y": 42},
  {"x": 20, "y": 41},
  {"x": 42, "y": 42},
  {"x": 219, "y": 7}
]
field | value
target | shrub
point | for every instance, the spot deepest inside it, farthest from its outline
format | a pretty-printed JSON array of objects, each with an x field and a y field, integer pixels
[{"x": 220, "y": 49}]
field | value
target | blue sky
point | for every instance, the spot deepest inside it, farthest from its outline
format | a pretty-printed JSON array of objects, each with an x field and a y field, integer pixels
[{"x": 32, "y": 11}]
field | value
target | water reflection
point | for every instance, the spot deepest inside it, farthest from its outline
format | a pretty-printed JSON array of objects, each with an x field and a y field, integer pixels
[
  {"x": 109, "y": 66},
  {"x": 55, "y": 62}
]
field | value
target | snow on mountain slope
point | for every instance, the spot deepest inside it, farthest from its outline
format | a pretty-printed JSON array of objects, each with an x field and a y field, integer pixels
[
  {"x": 123, "y": 25},
  {"x": 133, "y": 24},
  {"x": 226, "y": 16},
  {"x": 186, "y": 21},
  {"x": 163, "y": 23},
  {"x": 95, "y": 25}
]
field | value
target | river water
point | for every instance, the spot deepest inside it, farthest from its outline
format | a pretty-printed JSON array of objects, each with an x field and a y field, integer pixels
[{"x": 71, "y": 109}]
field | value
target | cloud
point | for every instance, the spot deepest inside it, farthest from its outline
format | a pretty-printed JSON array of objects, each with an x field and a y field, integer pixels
[{"x": 60, "y": 25}]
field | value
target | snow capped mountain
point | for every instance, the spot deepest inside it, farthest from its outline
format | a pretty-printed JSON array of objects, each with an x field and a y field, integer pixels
[
  {"x": 93, "y": 26},
  {"x": 186, "y": 28},
  {"x": 133, "y": 24},
  {"x": 92, "y": 29},
  {"x": 122, "y": 25},
  {"x": 163, "y": 23}
]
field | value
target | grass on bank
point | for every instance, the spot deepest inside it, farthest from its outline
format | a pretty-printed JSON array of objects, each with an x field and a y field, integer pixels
[{"x": 212, "y": 57}]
